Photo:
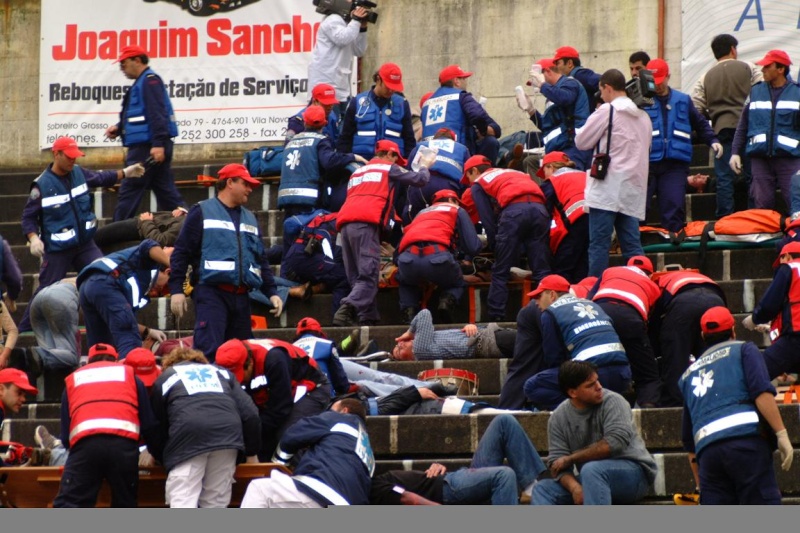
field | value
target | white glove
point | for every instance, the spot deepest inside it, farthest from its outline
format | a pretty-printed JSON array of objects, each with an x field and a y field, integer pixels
[
  {"x": 785, "y": 448},
  {"x": 763, "y": 328},
  {"x": 748, "y": 323},
  {"x": 736, "y": 164},
  {"x": 277, "y": 305},
  {"x": 158, "y": 335},
  {"x": 37, "y": 246},
  {"x": 178, "y": 305},
  {"x": 134, "y": 171},
  {"x": 717, "y": 147},
  {"x": 536, "y": 79}
]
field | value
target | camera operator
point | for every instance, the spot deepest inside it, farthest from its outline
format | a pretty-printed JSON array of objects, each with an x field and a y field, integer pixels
[{"x": 338, "y": 41}]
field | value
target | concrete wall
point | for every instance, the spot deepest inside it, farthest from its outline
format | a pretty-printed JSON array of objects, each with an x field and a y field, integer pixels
[{"x": 496, "y": 39}]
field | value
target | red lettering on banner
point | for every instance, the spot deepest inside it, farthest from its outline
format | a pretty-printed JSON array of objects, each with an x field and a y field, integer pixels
[{"x": 223, "y": 39}]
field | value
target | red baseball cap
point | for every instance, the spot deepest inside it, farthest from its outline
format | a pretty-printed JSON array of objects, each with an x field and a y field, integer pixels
[
  {"x": 232, "y": 355},
  {"x": 565, "y": 52},
  {"x": 642, "y": 262},
  {"x": 314, "y": 116},
  {"x": 659, "y": 68},
  {"x": 392, "y": 76},
  {"x": 716, "y": 319},
  {"x": 102, "y": 348},
  {"x": 425, "y": 98},
  {"x": 69, "y": 146},
  {"x": 450, "y": 133},
  {"x": 324, "y": 94},
  {"x": 472, "y": 162},
  {"x": 130, "y": 51},
  {"x": 385, "y": 145},
  {"x": 143, "y": 362},
  {"x": 310, "y": 325},
  {"x": 551, "y": 157},
  {"x": 546, "y": 63},
  {"x": 775, "y": 56},
  {"x": 451, "y": 72},
  {"x": 235, "y": 170},
  {"x": 19, "y": 378},
  {"x": 445, "y": 194},
  {"x": 582, "y": 288},
  {"x": 553, "y": 282},
  {"x": 788, "y": 248}
]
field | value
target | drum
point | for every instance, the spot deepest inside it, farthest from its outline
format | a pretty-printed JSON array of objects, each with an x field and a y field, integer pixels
[{"x": 466, "y": 381}]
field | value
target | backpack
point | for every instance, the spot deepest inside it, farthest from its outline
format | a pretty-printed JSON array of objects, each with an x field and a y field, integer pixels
[
  {"x": 294, "y": 224},
  {"x": 264, "y": 161}
]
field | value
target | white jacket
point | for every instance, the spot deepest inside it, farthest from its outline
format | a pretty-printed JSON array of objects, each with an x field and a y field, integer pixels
[
  {"x": 338, "y": 42},
  {"x": 625, "y": 188}
]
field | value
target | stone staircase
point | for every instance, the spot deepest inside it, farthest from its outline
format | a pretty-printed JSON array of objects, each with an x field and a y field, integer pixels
[{"x": 416, "y": 441}]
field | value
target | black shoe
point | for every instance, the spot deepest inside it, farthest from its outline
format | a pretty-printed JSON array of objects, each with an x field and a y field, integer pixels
[
  {"x": 447, "y": 304},
  {"x": 371, "y": 347},
  {"x": 408, "y": 314},
  {"x": 345, "y": 316},
  {"x": 441, "y": 390}
]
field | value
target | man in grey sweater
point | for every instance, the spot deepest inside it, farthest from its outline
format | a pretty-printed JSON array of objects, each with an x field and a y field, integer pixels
[{"x": 592, "y": 431}]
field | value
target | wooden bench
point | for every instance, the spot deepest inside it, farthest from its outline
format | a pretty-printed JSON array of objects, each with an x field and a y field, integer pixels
[{"x": 37, "y": 486}]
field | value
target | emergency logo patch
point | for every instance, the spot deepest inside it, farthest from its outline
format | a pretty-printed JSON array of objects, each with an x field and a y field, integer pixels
[
  {"x": 585, "y": 311},
  {"x": 702, "y": 383},
  {"x": 199, "y": 378}
]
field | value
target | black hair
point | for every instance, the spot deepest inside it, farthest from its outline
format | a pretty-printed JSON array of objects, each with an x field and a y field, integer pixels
[
  {"x": 613, "y": 78},
  {"x": 721, "y": 44},
  {"x": 355, "y": 407},
  {"x": 717, "y": 337},
  {"x": 641, "y": 55},
  {"x": 571, "y": 374}
]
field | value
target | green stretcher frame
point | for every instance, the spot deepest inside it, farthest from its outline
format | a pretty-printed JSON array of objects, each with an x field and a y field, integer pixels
[{"x": 687, "y": 246}]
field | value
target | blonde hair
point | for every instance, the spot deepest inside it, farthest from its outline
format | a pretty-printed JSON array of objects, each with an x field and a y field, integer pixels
[{"x": 179, "y": 355}]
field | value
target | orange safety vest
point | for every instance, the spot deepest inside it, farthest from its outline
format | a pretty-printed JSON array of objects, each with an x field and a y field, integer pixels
[
  {"x": 302, "y": 368},
  {"x": 435, "y": 224},
  {"x": 506, "y": 185},
  {"x": 569, "y": 189},
  {"x": 629, "y": 285},
  {"x": 369, "y": 196}
]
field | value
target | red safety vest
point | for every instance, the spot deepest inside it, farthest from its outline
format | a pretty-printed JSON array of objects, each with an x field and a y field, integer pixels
[
  {"x": 673, "y": 282},
  {"x": 436, "y": 224},
  {"x": 369, "y": 197},
  {"x": 629, "y": 285},
  {"x": 302, "y": 368},
  {"x": 103, "y": 399},
  {"x": 506, "y": 185},
  {"x": 569, "y": 187}
]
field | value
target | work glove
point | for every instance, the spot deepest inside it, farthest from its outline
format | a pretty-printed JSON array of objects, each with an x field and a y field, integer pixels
[
  {"x": 536, "y": 78},
  {"x": 785, "y": 448},
  {"x": 277, "y": 305},
  {"x": 736, "y": 164},
  {"x": 178, "y": 305},
  {"x": 748, "y": 323},
  {"x": 717, "y": 147},
  {"x": 158, "y": 335},
  {"x": 134, "y": 171},
  {"x": 37, "y": 246}
]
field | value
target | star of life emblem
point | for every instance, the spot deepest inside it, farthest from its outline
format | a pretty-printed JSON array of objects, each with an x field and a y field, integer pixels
[
  {"x": 585, "y": 311},
  {"x": 293, "y": 159},
  {"x": 702, "y": 383}
]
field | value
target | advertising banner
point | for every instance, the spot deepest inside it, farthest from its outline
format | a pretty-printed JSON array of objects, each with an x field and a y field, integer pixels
[
  {"x": 234, "y": 73},
  {"x": 758, "y": 25}
]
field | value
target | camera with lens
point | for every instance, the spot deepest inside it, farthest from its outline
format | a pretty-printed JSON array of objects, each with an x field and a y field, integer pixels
[
  {"x": 343, "y": 8},
  {"x": 642, "y": 89}
]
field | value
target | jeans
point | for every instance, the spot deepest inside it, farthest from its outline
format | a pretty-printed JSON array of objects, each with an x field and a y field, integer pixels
[
  {"x": 54, "y": 319},
  {"x": 380, "y": 383},
  {"x": 601, "y": 224},
  {"x": 487, "y": 479},
  {"x": 726, "y": 179},
  {"x": 604, "y": 482}
]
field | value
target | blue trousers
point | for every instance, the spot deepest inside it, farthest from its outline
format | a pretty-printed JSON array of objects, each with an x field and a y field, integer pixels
[
  {"x": 571, "y": 259},
  {"x": 601, "y": 225},
  {"x": 93, "y": 459},
  {"x": 738, "y": 472},
  {"x": 667, "y": 179},
  {"x": 55, "y": 266},
  {"x": 783, "y": 355},
  {"x": 108, "y": 314},
  {"x": 524, "y": 225},
  {"x": 219, "y": 316},
  {"x": 488, "y": 146},
  {"x": 725, "y": 176},
  {"x": 604, "y": 482},
  {"x": 317, "y": 268},
  {"x": 157, "y": 177},
  {"x": 361, "y": 251},
  {"x": 770, "y": 174},
  {"x": 439, "y": 268},
  {"x": 487, "y": 479},
  {"x": 543, "y": 392}
]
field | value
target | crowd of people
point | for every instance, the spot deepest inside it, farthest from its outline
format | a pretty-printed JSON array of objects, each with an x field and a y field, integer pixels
[{"x": 359, "y": 179}]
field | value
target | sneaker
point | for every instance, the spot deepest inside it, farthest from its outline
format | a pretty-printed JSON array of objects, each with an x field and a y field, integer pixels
[
  {"x": 350, "y": 344},
  {"x": 44, "y": 439},
  {"x": 345, "y": 316}
]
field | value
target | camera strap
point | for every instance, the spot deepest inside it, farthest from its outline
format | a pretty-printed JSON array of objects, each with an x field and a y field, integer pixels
[{"x": 608, "y": 137}]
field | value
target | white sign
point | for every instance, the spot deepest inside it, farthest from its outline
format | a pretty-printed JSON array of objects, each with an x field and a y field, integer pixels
[
  {"x": 236, "y": 75},
  {"x": 758, "y": 25}
]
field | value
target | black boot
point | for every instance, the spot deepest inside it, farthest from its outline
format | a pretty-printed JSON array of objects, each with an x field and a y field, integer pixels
[
  {"x": 408, "y": 314},
  {"x": 447, "y": 303},
  {"x": 345, "y": 316}
]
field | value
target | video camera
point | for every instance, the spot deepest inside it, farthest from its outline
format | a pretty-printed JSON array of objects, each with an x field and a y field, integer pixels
[
  {"x": 343, "y": 8},
  {"x": 642, "y": 89}
]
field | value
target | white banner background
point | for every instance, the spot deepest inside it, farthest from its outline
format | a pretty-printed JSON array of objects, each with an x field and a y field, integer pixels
[
  {"x": 758, "y": 25},
  {"x": 200, "y": 60}
]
